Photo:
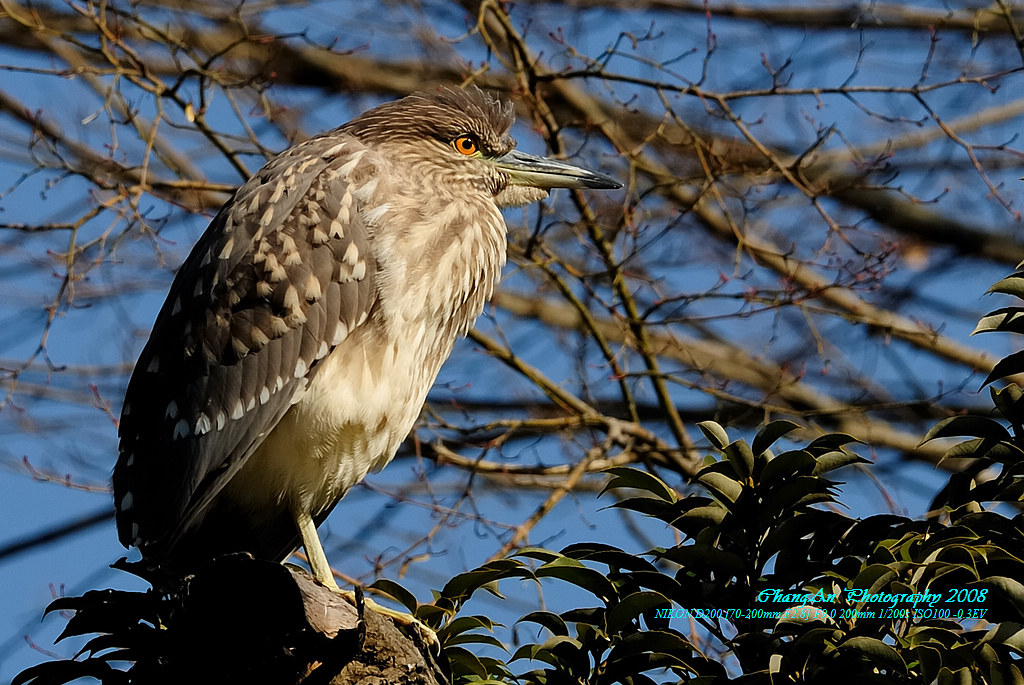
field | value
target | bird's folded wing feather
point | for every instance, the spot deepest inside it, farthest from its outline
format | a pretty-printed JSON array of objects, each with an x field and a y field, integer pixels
[{"x": 280, "y": 277}]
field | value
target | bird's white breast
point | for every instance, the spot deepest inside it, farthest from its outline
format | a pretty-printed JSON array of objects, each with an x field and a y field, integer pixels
[{"x": 434, "y": 276}]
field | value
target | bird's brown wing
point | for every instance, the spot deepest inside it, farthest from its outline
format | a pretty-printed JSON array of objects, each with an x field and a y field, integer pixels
[{"x": 280, "y": 277}]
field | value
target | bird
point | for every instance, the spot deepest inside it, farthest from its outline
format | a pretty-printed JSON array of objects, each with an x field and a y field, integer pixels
[{"x": 301, "y": 335}]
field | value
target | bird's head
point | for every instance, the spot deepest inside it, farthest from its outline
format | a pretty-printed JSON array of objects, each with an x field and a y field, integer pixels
[{"x": 461, "y": 137}]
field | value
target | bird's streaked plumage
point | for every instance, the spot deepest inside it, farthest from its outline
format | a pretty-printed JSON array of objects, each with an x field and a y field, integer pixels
[{"x": 299, "y": 339}]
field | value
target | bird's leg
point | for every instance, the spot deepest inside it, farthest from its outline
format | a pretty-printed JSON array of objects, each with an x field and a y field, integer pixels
[
  {"x": 315, "y": 551},
  {"x": 322, "y": 573}
]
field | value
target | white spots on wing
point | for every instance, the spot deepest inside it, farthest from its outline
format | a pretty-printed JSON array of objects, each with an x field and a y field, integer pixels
[
  {"x": 206, "y": 258},
  {"x": 345, "y": 208},
  {"x": 154, "y": 365},
  {"x": 291, "y": 252},
  {"x": 273, "y": 269},
  {"x": 291, "y": 297},
  {"x": 332, "y": 152},
  {"x": 313, "y": 290},
  {"x": 337, "y": 230},
  {"x": 301, "y": 368},
  {"x": 254, "y": 204},
  {"x": 278, "y": 191},
  {"x": 346, "y": 168},
  {"x": 222, "y": 420},
  {"x": 359, "y": 270},
  {"x": 172, "y": 410},
  {"x": 251, "y": 405},
  {"x": 322, "y": 351},
  {"x": 203, "y": 425},
  {"x": 264, "y": 395},
  {"x": 319, "y": 237},
  {"x": 268, "y": 217},
  {"x": 177, "y": 306},
  {"x": 340, "y": 333},
  {"x": 351, "y": 255},
  {"x": 240, "y": 348},
  {"x": 362, "y": 318},
  {"x": 259, "y": 338},
  {"x": 238, "y": 411},
  {"x": 264, "y": 289},
  {"x": 305, "y": 165},
  {"x": 279, "y": 383},
  {"x": 126, "y": 502},
  {"x": 180, "y": 429},
  {"x": 278, "y": 327},
  {"x": 225, "y": 251}
]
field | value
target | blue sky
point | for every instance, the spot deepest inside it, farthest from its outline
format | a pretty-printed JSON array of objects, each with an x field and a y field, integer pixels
[{"x": 58, "y": 422}]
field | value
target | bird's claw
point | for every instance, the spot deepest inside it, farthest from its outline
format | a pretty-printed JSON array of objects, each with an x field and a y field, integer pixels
[{"x": 425, "y": 633}]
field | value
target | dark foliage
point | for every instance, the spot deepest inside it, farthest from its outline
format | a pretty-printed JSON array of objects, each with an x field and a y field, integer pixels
[{"x": 769, "y": 581}]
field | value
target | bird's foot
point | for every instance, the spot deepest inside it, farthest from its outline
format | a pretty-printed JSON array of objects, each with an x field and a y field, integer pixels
[{"x": 425, "y": 633}]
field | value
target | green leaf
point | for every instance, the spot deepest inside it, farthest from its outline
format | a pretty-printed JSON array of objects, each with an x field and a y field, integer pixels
[
  {"x": 877, "y": 653},
  {"x": 648, "y": 506},
  {"x": 830, "y": 461},
  {"x": 1006, "y": 320},
  {"x": 742, "y": 459},
  {"x": 708, "y": 560},
  {"x": 723, "y": 486},
  {"x": 791, "y": 493},
  {"x": 552, "y": 621},
  {"x": 397, "y": 592},
  {"x": 832, "y": 441},
  {"x": 787, "y": 465},
  {"x": 805, "y": 613},
  {"x": 715, "y": 434},
  {"x": 634, "y": 605},
  {"x": 1009, "y": 634},
  {"x": 546, "y": 651},
  {"x": 982, "y": 448},
  {"x": 1009, "y": 402},
  {"x": 659, "y": 641},
  {"x": 1007, "y": 366},
  {"x": 702, "y": 517},
  {"x": 1008, "y": 589},
  {"x": 973, "y": 426},
  {"x": 464, "y": 662},
  {"x": 464, "y": 623},
  {"x": 579, "y": 575},
  {"x": 465, "y": 584},
  {"x": 607, "y": 554},
  {"x": 768, "y": 434},
  {"x": 474, "y": 639},
  {"x": 1011, "y": 285},
  {"x": 628, "y": 477}
]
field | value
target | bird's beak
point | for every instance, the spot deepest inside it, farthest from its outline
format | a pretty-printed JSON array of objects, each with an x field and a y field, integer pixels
[{"x": 542, "y": 172}]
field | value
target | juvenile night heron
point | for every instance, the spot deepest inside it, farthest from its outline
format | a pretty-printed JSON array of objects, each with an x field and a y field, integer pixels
[{"x": 299, "y": 339}]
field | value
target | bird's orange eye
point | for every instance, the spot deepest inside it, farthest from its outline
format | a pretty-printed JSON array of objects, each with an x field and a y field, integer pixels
[{"x": 466, "y": 144}]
